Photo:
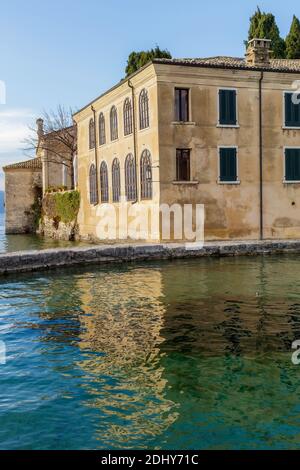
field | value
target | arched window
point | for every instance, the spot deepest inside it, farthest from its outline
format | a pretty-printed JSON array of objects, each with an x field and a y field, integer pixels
[
  {"x": 130, "y": 178},
  {"x": 116, "y": 180},
  {"x": 102, "y": 138},
  {"x": 146, "y": 175},
  {"x": 91, "y": 134},
  {"x": 144, "y": 109},
  {"x": 104, "y": 182},
  {"x": 113, "y": 123},
  {"x": 127, "y": 112},
  {"x": 93, "y": 185}
]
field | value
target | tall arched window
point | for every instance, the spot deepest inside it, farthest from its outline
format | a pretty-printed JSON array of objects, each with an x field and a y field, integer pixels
[
  {"x": 113, "y": 123},
  {"x": 127, "y": 113},
  {"x": 130, "y": 178},
  {"x": 93, "y": 185},
  {"x": 116, "y": 180},
  {"x": 144, "y": 109},
  {"x": 146, "y": 175},
  {"x": 102, "y": 138},
  {"x": 104, "y": 182},
  {"x": 91, "y": 134}
]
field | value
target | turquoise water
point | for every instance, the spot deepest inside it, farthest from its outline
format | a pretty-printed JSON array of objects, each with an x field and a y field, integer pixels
[{"x": 181, "y": 355}]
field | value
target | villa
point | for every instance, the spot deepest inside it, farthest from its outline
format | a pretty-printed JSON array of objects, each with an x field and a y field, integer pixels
[
  {"x": 223, "y": 132},
  {"x": 220, "y": 132}
]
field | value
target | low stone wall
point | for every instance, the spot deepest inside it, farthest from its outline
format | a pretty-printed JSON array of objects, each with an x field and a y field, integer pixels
[{"x": 57, "y": 258}]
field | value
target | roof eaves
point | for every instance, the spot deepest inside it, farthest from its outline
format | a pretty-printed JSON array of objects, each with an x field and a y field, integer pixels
[{"x": 124, "y": 80}]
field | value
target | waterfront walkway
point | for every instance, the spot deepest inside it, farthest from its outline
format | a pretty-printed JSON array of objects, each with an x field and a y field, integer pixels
[{"x": 26, "y": 261}]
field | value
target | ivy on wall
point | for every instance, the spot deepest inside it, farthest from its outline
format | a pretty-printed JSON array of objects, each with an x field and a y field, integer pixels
[{"x": 62, "y": 206}]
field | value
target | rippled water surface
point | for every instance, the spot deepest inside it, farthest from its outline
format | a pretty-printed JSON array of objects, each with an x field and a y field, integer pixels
[
  {"x": 185, "y": 355},
  {"x": 11, "y": 243}
]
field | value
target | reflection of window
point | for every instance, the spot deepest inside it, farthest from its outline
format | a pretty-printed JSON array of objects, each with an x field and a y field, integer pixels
[
  {"x": 146, "y": 175},
  {"x": 104, "y": 182},
  {"x": 91, "y": 134},
  {"x": 144, "y": 109},
  {"x": 127, "y": 111},
  {"x": 130, "y": 178},
  {"x": 116, "y": 180},
  {"x": 113, "y": 123},
  {"x": 183, "y": 165},
  {"x": 102, "y": 138},
  {"x": 93, "y": 185}
]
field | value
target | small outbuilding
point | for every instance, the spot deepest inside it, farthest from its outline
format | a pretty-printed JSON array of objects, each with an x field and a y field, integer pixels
[{"x": 23, "y": 190}]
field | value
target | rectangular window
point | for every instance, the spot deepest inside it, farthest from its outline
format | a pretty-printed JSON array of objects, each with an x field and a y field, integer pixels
[
  {"x": 182, "y": 104},
  {"x": 227, "y": 108},
  {"x": 228, "y": 165},
  {"x": 292, "y": 164},
  {"x": 292, "y": 111},
  {"x": 183, "y": 165}
]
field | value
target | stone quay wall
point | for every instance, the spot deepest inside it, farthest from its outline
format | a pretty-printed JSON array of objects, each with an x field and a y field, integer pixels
[{"x": 28, "y": 261}]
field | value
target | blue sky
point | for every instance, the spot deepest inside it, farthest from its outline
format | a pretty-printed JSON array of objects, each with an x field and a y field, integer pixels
[{"x": 69, "y": 51}]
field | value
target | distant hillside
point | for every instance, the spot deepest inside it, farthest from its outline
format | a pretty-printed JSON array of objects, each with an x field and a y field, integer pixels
[{"x": 1, "y": 202}]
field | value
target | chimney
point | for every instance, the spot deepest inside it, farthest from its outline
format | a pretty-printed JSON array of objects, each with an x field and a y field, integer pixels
[
  {"x": 40, "y": 127},
  {"x": 258, "y": 52}
]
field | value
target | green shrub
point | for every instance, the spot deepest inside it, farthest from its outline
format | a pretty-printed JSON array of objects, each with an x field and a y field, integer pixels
[
  {"x": 67, "y": 205},
  {"x": 61, "y": 206}
]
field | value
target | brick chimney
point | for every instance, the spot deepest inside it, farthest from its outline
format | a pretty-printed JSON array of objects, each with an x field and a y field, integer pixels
[{"x": 258, "y": 52}]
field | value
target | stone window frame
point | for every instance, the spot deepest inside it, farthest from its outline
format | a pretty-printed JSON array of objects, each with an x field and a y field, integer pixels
[
  {"x": 229, "y": 126},
  {"x": 116, "y": 180},
  {"x": 237, "y": 181},
  {"x": 144, "y": 115},
  {"x": 146, "y": 184}
]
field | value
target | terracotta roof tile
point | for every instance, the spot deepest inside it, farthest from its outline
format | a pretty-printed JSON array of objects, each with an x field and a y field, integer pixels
[
  {"x": 34, "y": 164},
  {"x": 277, "y": 65}
]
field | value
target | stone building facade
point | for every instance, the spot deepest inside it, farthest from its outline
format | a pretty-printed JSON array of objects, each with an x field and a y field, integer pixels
[
  {"x": 26, "y": 182},
  {"x": 23, "y": 188},
  {"x": 223, "y": 132}
]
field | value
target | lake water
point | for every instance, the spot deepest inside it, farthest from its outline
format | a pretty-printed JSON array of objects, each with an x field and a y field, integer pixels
[
  {"x": 172, "y": 355},
  {"x": 11, "y": 243}
]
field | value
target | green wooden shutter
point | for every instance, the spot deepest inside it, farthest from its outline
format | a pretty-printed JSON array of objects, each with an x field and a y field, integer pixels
[
  {"x": 292, "y": 111},
  {"x": 292, "y": 165},
  {"x": 227, "y": 107},
  {"x": 228, "y": 164}
]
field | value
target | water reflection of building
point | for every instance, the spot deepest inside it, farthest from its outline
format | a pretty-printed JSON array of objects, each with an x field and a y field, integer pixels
[
  {"x": 122, "y": 320},
  {"x": 230, "y": 306}
]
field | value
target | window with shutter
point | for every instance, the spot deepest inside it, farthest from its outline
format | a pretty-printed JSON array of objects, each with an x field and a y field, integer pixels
[
  {"x": 292, "y": 164},
  {"x": 227, "y": 108},
  {"x": 292, "y": 111},
  {"x": 228, "y": 165}
]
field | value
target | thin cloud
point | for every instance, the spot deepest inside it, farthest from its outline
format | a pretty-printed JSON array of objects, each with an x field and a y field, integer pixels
[{"x": 14, "y": 129}]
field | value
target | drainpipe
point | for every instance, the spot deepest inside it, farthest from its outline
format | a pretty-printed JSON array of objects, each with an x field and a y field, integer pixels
[
  {"x": 261, "y": 207},
  {"x": 134, "y": 139},
  {"x": 96, "y": 151}
]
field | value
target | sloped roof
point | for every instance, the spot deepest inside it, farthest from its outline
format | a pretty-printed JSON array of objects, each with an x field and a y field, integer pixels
[
  {"x": 276, "y": 65},
  {"x": 33, "y": 164}
]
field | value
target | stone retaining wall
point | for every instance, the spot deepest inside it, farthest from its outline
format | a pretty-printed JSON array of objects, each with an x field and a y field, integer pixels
[{"x": 56, "y": 258}]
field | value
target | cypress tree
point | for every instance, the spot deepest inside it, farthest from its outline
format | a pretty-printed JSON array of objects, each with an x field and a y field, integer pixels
[
  {"x": 293, "y": 40},
  {"x": 264, "y": 26}
]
